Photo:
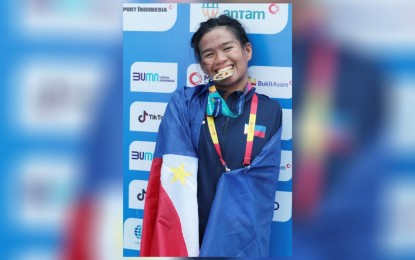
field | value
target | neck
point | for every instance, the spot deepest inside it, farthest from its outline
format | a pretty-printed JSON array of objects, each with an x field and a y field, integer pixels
[{"x": 230, "y": 89}]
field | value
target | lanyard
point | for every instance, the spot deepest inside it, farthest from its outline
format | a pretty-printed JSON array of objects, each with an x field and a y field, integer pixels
[
  {"x": 249, "y": 136},
  {"x": 217, "y": 106}
]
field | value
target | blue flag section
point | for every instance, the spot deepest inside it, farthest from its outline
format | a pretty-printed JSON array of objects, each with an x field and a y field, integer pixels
[
  {"x": 239, "y": 221},
  {"x": 158, "y": 62}
]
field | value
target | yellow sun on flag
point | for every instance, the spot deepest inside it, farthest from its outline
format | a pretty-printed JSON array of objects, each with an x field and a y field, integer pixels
[{"x": 180, "y": 174}]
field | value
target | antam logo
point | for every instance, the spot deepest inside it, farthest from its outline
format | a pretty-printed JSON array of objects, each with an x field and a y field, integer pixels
[
  {"x": 210, "y": 10},
  {"x": 143, "y": 156},
  {"x": 287, "y": 166},
  {"x": 273, "y": 8},
  {"x": 142, "y": 118},
  {"x": 245, "y": 14},
  {"x": 264, "y": 18}
]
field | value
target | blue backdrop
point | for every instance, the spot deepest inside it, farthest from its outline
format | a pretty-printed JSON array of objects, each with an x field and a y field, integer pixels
[{"x": 158, "y": 59}]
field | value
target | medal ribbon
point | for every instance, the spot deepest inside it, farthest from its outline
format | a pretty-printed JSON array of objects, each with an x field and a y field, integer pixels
[
  {"x": 217, "y": 106},
  {"x": 249, "y": 138}
]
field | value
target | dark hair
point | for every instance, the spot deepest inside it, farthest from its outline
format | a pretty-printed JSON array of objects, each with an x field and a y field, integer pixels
[{"x": 223, "y": 20}]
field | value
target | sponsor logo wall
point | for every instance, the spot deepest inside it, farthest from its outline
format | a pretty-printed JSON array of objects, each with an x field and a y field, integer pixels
[{"x": 158, "y": 60}]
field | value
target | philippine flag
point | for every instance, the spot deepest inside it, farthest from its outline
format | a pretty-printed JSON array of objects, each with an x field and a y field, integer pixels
[
  {"x": 259, "y": 130},
  {"x": 170, "y": 223},
  {"x": 241, "y": 215},
  {"x": 170, "y": 216}
]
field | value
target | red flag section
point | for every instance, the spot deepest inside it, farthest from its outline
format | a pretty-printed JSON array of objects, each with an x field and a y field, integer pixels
[{"x": 162, "y": 232}]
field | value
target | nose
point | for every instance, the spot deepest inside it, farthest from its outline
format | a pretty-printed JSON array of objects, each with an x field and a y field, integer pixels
[{"x": 220, "y": 57}]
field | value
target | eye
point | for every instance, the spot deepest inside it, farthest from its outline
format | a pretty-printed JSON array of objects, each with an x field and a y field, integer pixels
[
  {"x": 228, "y": 48},
  {"x": 208, "y": 55}
]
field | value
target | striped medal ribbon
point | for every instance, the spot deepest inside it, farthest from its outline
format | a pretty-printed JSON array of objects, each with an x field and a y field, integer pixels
[
  {"x": 249, "y": 137},
  {"x": 217, "y": 106}
]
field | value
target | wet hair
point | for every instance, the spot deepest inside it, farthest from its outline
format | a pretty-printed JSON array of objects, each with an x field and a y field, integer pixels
[{"x": 230, "y": 23}]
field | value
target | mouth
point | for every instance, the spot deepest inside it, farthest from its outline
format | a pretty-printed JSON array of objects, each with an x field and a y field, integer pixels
[
  {"x": 225, "y": 69},
  {"x": 224, "y": 73}
]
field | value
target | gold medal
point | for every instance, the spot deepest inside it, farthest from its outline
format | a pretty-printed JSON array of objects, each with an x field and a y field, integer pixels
[{"x": 223, "y": 74}]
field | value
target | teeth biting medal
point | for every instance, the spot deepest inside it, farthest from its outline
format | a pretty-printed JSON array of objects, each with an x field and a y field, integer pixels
[{"x": 224, "y": 73}]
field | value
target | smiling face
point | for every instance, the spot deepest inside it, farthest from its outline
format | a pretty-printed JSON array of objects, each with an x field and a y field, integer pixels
[{"x": 219, "y": 50}]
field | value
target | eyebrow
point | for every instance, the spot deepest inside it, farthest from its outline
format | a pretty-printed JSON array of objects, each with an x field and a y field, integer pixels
[{"x": 210, "y": 49}]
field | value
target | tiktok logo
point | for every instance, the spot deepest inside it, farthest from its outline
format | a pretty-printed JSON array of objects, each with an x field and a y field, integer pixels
[
  {"x": 141, "y": 196},
  {"x": 146, "y": 116},
  {"x": 137, "y": 194},
  {"x": 142, "y": 118}
]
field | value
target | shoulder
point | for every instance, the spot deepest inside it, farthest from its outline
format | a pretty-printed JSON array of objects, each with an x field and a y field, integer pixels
[
  {"x": 195, "y": 91},
  {"x": 267, "y": 103},
  {"x": 270, "y": 111},
  {"x": 188, "y": 98},
  {"x": 188, "y": 93}
]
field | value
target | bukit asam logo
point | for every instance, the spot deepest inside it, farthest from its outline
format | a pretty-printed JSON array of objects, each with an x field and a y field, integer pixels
[
  {"x": 275, "y": 82},
  {"x": 269, "y": 83}
]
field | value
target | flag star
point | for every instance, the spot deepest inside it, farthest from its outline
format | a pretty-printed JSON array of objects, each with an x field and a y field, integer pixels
[{"x": 180, "y": 174}]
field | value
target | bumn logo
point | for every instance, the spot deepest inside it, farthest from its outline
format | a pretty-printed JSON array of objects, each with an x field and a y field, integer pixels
[
  {"x": 143, "y": 76},
  {"x": 153, "y": 77},
  {"x": 136, "y": 155},
  {"x": 141, "y": 155}
]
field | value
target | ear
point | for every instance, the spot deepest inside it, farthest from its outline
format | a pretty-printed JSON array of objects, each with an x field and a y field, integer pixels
[{"x": 248, "y": 50}]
